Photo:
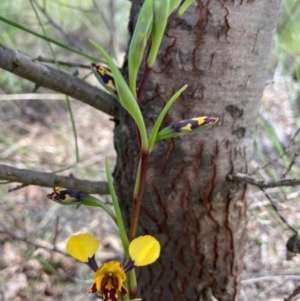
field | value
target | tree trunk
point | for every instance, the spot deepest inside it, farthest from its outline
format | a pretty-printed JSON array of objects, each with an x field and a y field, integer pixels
[{"x": 221, "y": 50}]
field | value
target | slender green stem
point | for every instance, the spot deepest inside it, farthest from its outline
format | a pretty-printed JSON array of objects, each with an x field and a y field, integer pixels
[
  {"x": 137, "y": 180},
  {"x": 94, "y": 202},
  {"x": 143, "y": 82},
  {"x": 132, "y": 284},
  {"x": 140, "y": 182},
  {"x": 137, "y": 198}
]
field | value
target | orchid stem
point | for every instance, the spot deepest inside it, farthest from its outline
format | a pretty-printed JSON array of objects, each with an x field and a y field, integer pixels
[
  {"x": 137, "y": 198},
  {"x": 142, "y": 83}
]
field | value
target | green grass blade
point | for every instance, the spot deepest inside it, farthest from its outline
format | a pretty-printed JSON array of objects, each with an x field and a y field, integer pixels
[
  {"x": 118, "y": 213},
  {"x": 67, "y": 98},
  {"x": 43, "y": 37}
]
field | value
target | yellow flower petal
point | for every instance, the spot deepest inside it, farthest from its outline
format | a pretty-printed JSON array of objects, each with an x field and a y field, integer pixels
[
  {"x": 82, "y": 246},
  {"x": 144, "y": 250}
]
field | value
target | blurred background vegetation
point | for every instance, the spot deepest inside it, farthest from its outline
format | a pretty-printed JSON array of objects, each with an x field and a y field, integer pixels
[{"x": 36, "y": 133}]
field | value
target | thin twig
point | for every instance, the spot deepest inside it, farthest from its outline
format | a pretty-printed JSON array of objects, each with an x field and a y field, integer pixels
[
  {"x": 62, "y": 63},
  {"x": 283, "y": 154},
  {"x": 293, "y": 161},
  {"x": 70, "y": 40},
  {"x": 18, "y": 187},
  {"x": 30, "y": 177},
  {"x": 277, "y": 212},
  {"x": 263, "y": 184},
  {"x": 295, "y": 293},
  {"x": 269, "y": 278}
]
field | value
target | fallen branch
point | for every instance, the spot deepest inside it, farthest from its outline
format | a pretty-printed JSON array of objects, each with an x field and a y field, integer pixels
[
  {"x": 30, "y": 177},
  {"x": 45, "y": 76}
]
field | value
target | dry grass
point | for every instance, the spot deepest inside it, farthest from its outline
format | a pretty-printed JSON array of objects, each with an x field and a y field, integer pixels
[{"x": 268, "y": 275}]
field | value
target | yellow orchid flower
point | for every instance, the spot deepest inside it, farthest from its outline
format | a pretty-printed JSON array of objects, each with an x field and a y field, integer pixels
[
  {"x": 109, "y": 280},
  {"x": 109, "y": 277}
]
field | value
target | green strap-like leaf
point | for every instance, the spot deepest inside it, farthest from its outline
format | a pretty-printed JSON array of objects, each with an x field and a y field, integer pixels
[
  {"x": 126, "y": 98},
  {"x": 187, "y": 127},
  {"x": 186, "y": 4},
  {"x": 160, "y": 19},
  {"x": 138, "y": 42},
  {"x": 161, "y": 116}
]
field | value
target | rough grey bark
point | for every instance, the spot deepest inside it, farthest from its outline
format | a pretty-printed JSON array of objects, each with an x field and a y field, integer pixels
[
  {"x": 221, "y": 50},
  {"x": 48, "y": 179}
]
